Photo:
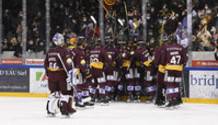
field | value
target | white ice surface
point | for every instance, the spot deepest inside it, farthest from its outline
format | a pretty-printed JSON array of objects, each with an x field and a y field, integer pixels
[{"x": 31, "y": 111}]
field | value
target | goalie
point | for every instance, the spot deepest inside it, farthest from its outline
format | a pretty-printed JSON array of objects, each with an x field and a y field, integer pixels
[{"x": 58, "y": 60}]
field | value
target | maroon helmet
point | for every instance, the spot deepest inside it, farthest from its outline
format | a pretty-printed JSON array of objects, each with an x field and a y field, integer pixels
[{"x": 81, "y": 40}]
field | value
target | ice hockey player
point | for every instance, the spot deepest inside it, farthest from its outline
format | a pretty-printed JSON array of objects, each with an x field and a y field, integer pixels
[
  {"x": 160, "y": 98},
  {"x": 129, "y": 70},
  {"x": 57, "y": 61},
  {"x": 98, "y": 59},
  {"x": 143, "y": 56},
  {"x": 121, "y": 80},
  {"x": 111, "y": 70},
  {"x": 174, "y": 58},
  {"x": 80, "y": 72}
]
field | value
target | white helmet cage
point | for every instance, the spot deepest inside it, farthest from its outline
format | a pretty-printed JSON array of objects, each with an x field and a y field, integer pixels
[{"x": 58, "y": 39}]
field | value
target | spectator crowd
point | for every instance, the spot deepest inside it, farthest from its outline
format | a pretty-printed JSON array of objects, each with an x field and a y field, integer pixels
[{"x": 72, "y": 18}]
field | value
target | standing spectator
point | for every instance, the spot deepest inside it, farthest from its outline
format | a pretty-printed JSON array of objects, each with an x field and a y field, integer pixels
[
  {"x": 134, "y": 26},
  {"x": 171, "y": 24},
  {"x": 7, "y": 22},
  {"x": 85, "y": 28},
  {"x": 19, "y": 32},
  {"x": 204, "y": 38}
]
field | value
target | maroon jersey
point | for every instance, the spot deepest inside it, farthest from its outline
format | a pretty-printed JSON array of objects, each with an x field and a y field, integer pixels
[
  {"x": 142, "y": 56},
  {"x": 157, "y": 54},
  {"x": 53, "y": 64},
  {"x": 98, "y": 57},
  {"x": 114, "y": 52},
  {"x": 174, "y": 56},
  {"x": 79, "y": 58},
  {"x": 158, "y": 51}
]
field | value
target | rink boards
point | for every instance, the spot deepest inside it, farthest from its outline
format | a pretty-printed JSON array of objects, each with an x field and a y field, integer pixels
[{"x": 201, "y": 84}]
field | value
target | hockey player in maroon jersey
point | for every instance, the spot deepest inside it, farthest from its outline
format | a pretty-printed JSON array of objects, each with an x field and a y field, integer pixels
[
  {"x": 174, "y": 58},
  {"x": 160, "y": 98},
  {"x": 81, "y": 74},
  {"x": 111, "y": 70},
  {"x": 58, "y": 60},
  {"x": 142, "y": 55},
  {"x": 98, "y": 59},
  {"x": 128, "y": 70},
  {"x": 121, "y": 80}
]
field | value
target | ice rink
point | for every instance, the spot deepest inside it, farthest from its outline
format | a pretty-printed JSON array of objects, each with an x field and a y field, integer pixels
[{"x": 31, "y": 111}]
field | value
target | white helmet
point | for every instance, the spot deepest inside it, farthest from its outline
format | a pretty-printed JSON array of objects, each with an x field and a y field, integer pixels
[{"x": 58, "y": 39}]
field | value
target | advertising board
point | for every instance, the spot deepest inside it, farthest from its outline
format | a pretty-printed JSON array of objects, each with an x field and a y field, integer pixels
[
  {"x": 34, "y": 61},
  {"x": 203, "y": 84},
  {"x": 38, "y": 81},
  {"x": 11, "y": 62},
  {"x": 14, "y": 79},
  {"x": 204, "y": 63}
]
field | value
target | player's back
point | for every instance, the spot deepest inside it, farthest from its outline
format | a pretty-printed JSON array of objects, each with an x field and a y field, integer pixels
[
  {"x": 78, "y": 58},
  {"x": 174, "y": 54},
  {"x": 142, "y": 54},
  {"x": 96, "y": 55},
  {"x": 114, "y": 52},
  {"x": 53, "y": 64}
]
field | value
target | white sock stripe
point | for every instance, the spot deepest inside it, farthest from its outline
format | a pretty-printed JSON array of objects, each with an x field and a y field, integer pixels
[
  {"x": 137, "y": 88},
  {"x": 170, "y": 79},
  {"x": 151, "y": 88},
  {"x": 120, "y": 87},
  {"x": 178, "y": 79},
  {"x": 93, "y": 91},
  {"x": 172, "y": 90},
  {"x": 130, "y": 88},
  {"x": 108, "y": 88},
  {"x": 101, "y": 91},
  {"x": 85, "y": 93},
  {"x": 101, "y": 79}
]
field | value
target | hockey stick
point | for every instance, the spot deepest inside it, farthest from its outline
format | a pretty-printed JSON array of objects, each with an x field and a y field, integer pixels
[
  {"x": 184, "y": 89},
  {"x": 95, "y": 23},
  {"x": 71, "y": 84},
  {"x": 127, "y": 21}
]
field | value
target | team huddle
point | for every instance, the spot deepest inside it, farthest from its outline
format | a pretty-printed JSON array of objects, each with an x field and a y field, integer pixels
[{"x": 101, "y": 73}]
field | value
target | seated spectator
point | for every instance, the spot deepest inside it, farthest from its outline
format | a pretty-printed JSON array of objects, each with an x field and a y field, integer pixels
[
  {"x": 18, "y": 51},
  {"x": 30, "y": 46},
  {"x": 40, "y": 46},
  {"x": 13, "y": 44},
  {"x": 5, "y": 45}
]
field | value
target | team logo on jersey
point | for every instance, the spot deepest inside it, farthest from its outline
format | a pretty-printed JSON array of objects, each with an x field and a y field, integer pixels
[{"x": 110, "y": 2}]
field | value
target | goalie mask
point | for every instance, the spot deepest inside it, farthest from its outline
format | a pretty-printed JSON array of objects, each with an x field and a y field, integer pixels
[{"x": 58, "y": 39}]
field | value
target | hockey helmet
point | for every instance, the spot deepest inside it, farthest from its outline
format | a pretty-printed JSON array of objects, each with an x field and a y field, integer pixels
[
  {"x": 140, "y": 44},
  {"x": 58, "y": 39},
  {"x": 172, "y": 39},
  {"x": 73, "y": 41},
  {"x": 81, "y": 40},
  {"x": 164, "y": 37}
]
